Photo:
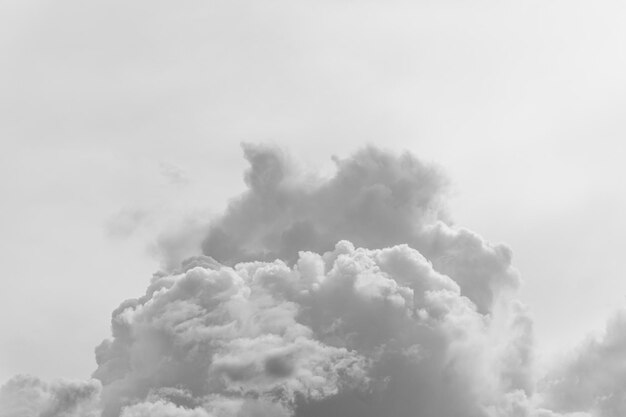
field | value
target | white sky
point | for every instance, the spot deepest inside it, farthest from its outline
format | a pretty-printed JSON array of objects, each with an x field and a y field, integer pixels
[{"x": 114, "y": 109}]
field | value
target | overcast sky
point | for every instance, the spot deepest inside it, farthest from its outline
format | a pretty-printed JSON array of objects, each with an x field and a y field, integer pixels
[{"x": 120, "y": 120}]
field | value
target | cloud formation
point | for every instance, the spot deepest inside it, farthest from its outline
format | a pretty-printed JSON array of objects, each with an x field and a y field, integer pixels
[
  {"x": 25, "y": 396},
  {"x": 593, "y": 376},
  {"x": 348, "y": 295},
  {"x": 352, "y": 331},
  {"x": 375, "y": 199}
]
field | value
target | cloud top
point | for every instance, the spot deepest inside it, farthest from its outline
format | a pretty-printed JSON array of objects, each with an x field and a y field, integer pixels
[{"x": 375, "y": 199}]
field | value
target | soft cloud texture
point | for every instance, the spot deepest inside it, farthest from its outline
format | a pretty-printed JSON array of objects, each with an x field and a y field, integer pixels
[
  {"x": 375, "y": 199},
  {"x": 345, "y": 295},
  {"x": 593, "y": 377},
  {"x": 25, "y": 396},
  {"x": 350, "y": 332}
]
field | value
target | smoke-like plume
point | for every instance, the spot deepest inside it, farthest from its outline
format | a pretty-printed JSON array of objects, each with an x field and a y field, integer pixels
[{"x": 349, "y": 295}]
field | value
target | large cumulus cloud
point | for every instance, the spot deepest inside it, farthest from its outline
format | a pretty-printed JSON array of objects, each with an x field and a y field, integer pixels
[
  {"x": 352, "y": 331},
  {"x": 343, "y": 295},
  {"x": 375, "y": 199}
]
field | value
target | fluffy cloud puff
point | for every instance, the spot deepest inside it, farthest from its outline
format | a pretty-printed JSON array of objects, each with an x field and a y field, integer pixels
[{"x": 350, "y": 332}]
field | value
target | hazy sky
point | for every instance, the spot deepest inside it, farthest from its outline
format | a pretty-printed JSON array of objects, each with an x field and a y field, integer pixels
[{"x": 121, "y": 119}]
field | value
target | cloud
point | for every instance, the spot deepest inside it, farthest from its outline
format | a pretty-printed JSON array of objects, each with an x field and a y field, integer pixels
[
  {"x": 173, "y": 173},
  {"x": 352, "y": 331},
  {"x": 180, "y": 242},
  {"x": 25, "y": 396},
  {"x": 375, "y": 199},
  {"x": 162, "y": 409},
  {"x": 592, "y": 376},
  {"x": 346, "y": 295}
]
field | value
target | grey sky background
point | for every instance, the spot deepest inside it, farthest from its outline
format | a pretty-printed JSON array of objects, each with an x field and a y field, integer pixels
[{"x": 121, "y": 118}]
